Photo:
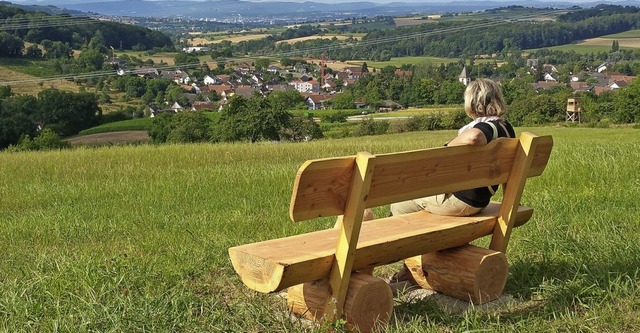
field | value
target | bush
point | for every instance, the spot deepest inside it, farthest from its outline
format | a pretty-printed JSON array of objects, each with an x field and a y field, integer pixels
[
  {"x": 369, "y": 126},
  {"x": 46, "y": 140}
]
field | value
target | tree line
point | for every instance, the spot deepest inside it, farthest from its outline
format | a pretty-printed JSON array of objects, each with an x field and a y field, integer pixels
[{"x": 449, "y": 38}]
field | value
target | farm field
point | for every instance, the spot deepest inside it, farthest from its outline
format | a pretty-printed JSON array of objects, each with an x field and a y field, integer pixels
[
  {"x": 135, "y": 238},
  {"x": 214, "y": 39},
  {"x": 26, "y": 75},
  {"x": 328, "y": 36},
  {"x": 626, "y": 40}
]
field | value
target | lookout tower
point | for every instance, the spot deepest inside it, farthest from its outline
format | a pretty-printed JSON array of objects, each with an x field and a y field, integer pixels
[{"x": 574, "y": 109}]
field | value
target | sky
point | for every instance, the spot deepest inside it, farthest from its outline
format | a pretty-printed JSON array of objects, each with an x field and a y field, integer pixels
[{"x": 43, "y": 2}]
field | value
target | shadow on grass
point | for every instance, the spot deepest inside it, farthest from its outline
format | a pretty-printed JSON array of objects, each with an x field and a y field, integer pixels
[{"x": 538, "y": 289}]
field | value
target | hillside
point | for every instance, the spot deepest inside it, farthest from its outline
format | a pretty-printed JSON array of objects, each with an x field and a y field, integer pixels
[{"x": 135, "y": 238}]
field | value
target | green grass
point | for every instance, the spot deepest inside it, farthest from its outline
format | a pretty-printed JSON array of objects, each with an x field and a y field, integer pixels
[
  {"x": 38, "y": 68},
  {"x": 399, "y": 61},
  {"x": 135, "y": 238},
  {"x": 582, "y": 49},
  {"x": 140, "y": 124},
  {"x": 626, "y": 34}
]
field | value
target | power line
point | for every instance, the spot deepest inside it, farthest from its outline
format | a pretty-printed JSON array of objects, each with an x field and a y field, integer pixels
[{"x": 384, "y": 40}]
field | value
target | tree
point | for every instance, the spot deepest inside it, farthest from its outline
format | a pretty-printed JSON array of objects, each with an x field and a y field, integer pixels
[
  {"x": 90, "y": 60},
  {"x": 252, "y": 120},
  {"x": 287, "y": 100},
  {"x": 161, "y": 127},
  {"x": 97, "y": 42},
  {"x": 10, "y": 45},
  {"x": 627, "y": 103},
  {"x": 615, "y": 46},
  {"x": 67, "y": 113},
  {"x": 344, "y": 101},
  {"x": 5, "y": 91},
  {"x": 190, "y": 127},
  {"x": 261, "y": 64},
  {"x": 33, "y": 51}
]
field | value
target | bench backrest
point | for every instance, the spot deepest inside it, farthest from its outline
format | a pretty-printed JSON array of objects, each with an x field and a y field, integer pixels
[{"x": 322, "y": 186}]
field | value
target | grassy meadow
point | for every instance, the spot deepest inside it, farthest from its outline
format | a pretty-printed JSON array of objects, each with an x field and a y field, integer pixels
[{"x": 130, "y": 239}]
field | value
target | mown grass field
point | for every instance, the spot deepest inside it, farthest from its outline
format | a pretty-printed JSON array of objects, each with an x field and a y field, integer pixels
[{"x": 135, "y": 238}]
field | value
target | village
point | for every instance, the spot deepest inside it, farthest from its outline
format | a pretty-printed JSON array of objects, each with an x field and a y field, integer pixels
[{"x": 211, "y": 92}]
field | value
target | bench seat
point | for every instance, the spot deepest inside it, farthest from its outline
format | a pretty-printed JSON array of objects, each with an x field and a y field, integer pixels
[{"x": 274, "y": 265}]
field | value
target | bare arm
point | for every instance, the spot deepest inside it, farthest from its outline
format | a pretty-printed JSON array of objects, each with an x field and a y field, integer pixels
[{"x": 471, "y": 137}]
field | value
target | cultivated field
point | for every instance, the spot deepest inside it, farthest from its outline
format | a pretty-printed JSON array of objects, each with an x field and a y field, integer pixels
[
  {"x": 628, "y": 39},
  {"x": 214, "y": 39},
  {"x": 135, "y": 238},
  {"x": 22, "y": 83},
  {"x": 302, "y": 39}
]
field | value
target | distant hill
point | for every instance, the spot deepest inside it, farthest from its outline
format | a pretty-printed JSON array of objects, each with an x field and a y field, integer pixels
[
  {"x": 225, "y": 9},
  {"x": 50, "y": 9}
]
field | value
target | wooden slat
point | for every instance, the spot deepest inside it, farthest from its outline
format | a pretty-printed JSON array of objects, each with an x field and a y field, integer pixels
[
  {"x": 348, "y": 235},
  {"x": 280, "y": 263},
  {"x": 403, "y": 176},
  {"x": 321, "y": 188},
  {"x": 526, "y": 154}
]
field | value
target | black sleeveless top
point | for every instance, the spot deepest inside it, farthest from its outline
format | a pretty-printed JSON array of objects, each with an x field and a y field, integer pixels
[{"x": 480, "y": 197}]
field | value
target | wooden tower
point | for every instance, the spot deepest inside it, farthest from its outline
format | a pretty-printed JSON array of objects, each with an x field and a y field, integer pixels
[{"x": 574, "y": 109}]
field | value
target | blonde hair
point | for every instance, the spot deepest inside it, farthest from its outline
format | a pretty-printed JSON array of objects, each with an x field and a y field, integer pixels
[{"x": 483, "y": 98}]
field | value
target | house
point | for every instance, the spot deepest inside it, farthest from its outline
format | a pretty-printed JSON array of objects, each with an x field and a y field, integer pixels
[
  {"x": 244, "y": 91},
  {"x": 224, "y": 78},
  {"x": 279, "y": 87},
  {"x": 315, "y": 101},
  {"x": 222, "y": 90},
  {"x": 389, "y": 105},
  {"x": 193, "y": 98},
  {"x": 580, "y": 86},
  {"x": 211, "y": 79},
  {"x": 306, "y": 87},
  {"x": 329, "y": 86},
  {"x": 274, "y": 69},
  {"x": 244, "y": 68},
  {"x": 144, "y": 72},
  {"x": 192, "y": 49},
  {"x": 544, "y": 85},
  {"x": 115, "y": 61},
  {"x": 602, "y": 67},
  {"x": 354, "y": 72},
  {"x": 177, "y": 107},
  {"x": 202, "y": 105},
  {"x": 549, "y": 68},
  {"x": 178, "y": 76},
  {"x": 548, "y": 77},
  {"x": 598, "y": 90},
  {"x": 617, "y": 84},
  {"x": 257, "y": 79}
]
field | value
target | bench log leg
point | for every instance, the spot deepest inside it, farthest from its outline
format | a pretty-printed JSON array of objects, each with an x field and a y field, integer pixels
[
  {"x": 468, "y": 272},
  {"x": 368, "y": 305}
]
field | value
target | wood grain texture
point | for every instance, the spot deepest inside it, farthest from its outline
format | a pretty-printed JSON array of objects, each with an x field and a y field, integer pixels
[
  {"x": 368, "y": 305},
  {"x": 277, "y": 264},
  {"x": 322, "y": 186},
  {"x": 349, "y": 234},
  {"x": 467, "y": 272}
]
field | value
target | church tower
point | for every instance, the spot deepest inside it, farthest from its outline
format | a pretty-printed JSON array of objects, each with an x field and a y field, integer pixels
[{"x": 464, "y": 77}]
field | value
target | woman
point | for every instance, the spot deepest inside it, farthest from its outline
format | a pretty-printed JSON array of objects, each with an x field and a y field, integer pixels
[{"x": 484, "y": 104}]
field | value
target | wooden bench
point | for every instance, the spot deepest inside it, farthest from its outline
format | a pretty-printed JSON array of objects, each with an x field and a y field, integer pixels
[{"x": 329, "y": 270}]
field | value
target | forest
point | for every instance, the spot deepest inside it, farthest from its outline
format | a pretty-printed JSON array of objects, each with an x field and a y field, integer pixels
[
  {"x": 75, "y": 32},
  {"x": 465, "y": 38}
]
